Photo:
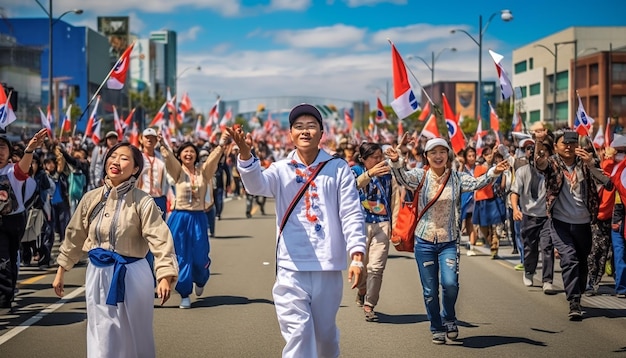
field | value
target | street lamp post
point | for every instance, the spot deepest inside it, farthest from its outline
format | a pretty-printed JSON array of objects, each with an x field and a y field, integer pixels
[
  {"x": 506, "y": 16},
  {"x": 555, "y": 54},
  {"x": 51, "y": 22},
  {"x": 431, "y": 67}
]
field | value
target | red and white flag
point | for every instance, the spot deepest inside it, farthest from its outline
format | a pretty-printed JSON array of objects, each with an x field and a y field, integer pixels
[
  {"x": 66, "y": 126},
  {"x": 185, "y": 103},
  {"x": 7, "y": 116},
  {"x": 430, "y": 129},
  {"x": 45, "y": 121},
  {"x": 583, "y": 122},
  {"x": 425, "y": 112},
  {"x": 96, "y": 136},
  {"x": 134, "y": 135},
  {"x": 158, "y": 118},
  {"x": 505, "y": 83},
  {"x": 117, "y": 79},
  {"x": 478, "y": 137},
  {"x": 599, "y": 139},
  {"x": 92, "y": 119},
  {"x": 494, "y": 123},
  {"x": 457, "y": 139},
  {"x": 128, "y": 120},
  {"x": 381, "y": 115},
  {"x": 228, "y": 116},
  {"x": 405, "y": 102},
  {"x": 117, "y": 124}
]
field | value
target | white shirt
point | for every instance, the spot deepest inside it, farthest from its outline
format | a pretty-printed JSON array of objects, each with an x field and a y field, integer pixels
[
  {"x": 7, "y": 177},
  {"x": 336, "y": 208}
]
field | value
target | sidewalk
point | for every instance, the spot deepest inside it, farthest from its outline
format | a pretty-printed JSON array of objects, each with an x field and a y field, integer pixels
[{"x": 605, "y": 299}]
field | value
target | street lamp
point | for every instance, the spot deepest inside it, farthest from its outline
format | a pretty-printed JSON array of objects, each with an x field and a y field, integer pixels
[
  {"x": 506, "y": 16},
  {"x": 555, "y": 54},
  {"x": 51, "y": 22},
  {"x": 379, "y": 90},
  {"x": 431, "y": 67}
]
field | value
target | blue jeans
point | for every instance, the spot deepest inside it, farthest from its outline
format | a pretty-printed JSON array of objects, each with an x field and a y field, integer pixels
[
  {"x": 433, "y": 260},
  {"x": 210, "y": 216},
  {"x": 619, "y": 261}
]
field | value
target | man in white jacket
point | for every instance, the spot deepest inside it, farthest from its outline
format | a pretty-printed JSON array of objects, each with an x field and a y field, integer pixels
[{"x": 326, "y": 222}]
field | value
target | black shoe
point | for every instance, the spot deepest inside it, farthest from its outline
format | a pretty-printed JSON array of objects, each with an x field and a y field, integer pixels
[
  {"x": 452, "y": 330},
  {"x": 514, "y": 252},
  {"x": 575, "y": 311},
  {"x": 248, "y": 215},
  {"x": 439, "y": 338}
]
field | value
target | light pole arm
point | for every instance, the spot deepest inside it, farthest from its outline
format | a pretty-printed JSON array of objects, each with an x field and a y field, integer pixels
[
  {"x": 43, "y": 8},
  {"x": 482, "y": 31},
  {"x": 420, "y": 58},
  {"x": 546, "y": 48},
  {"x": 468, "y": 35}
]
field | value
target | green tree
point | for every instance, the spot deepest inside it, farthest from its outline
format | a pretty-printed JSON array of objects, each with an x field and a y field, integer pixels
[{"x": 504, "y": 110}]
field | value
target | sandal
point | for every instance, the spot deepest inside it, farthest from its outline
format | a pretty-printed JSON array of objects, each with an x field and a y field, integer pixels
[{"x": 370, "y": 315}]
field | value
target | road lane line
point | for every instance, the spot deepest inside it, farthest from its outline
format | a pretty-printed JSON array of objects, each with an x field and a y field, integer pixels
[
  {"x": 36, "y": 318},
  {"x": 30, "y": 281}
]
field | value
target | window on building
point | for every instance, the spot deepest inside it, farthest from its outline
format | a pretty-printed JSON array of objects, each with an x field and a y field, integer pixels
[
  {"x": 581, "y": 76},
  {"x": 562, "y": 81},
  {"x": 594, "y": 74},
  {"x": 618, "y": 73},
  {"x": 594, "y": 107},
  {"x": 520, "y": 67},
  {"x": 523, "y": 115},
  {"x": 530, "y": 63},
  {"x": 535, "y": 116},
  {"x": 618, "y": 105},
  {"x": 524, "y": 91},
  {"x": 535, "y": 89},
  {"x": 562, "y": 111}
]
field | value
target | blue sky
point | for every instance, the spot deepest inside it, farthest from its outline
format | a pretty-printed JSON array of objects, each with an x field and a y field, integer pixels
[{"x": 330, "y": 48}]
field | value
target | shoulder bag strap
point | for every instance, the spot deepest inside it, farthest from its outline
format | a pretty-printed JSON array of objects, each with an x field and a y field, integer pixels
[
  {"x": 434, "y": 200},
  {"x": 299, "y": 195}
]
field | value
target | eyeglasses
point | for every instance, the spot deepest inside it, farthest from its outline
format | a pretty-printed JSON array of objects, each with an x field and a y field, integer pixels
[{"x": 530, "y": 147}]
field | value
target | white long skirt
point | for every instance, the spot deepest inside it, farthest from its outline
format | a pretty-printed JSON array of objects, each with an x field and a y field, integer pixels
[{"x": 124, "y": 330}]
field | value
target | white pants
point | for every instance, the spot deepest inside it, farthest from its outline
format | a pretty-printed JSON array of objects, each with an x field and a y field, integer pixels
[
  {"x": 306, "y": 305},
  {"x": 124, "y": 330}
]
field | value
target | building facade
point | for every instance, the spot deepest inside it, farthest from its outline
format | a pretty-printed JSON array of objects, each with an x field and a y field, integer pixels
[
  {"x": 164, "y": 67},
  {"x": 545, "y": 71}
]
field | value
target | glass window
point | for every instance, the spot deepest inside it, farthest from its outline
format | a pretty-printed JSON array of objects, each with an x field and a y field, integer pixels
[
  {"x": 530, "y": 63},
  {"x": 593, "y": 106},
  {"x": 535, "y": 116},
  {"x": 618, "y": 105},
  {"x": 524, "y": 90},
  {"x": 594, "y": 74},
  {"x": 520, "y": 67},
  {"x": 562, "y": 111},
  {"x": 581, "y": 76},
  {"x": 618, "y": 72},
  {"x": 535, "y": 89},
  {"x": 562, "y": 81}
]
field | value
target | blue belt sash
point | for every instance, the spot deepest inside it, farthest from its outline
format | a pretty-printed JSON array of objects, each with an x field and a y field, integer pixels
[{"x": 104, "y": 258}]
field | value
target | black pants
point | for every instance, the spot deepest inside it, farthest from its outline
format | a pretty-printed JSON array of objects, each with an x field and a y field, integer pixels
[
  {"x": 260, "y": 200},
  {"x": 536, "y": 238},
  {"x": 573, "y": 241},
  {"x": 11, "y": 232}
]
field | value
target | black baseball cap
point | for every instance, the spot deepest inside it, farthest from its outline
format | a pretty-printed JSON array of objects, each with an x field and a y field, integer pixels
[
  {"x": 302, "y": 109},
  {"x": 570, "y": 137}
]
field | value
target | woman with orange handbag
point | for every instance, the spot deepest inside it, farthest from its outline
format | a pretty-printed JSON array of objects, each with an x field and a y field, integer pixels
[{"x": 438, "y": 233}]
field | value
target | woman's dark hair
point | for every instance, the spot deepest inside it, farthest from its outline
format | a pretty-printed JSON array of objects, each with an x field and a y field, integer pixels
[
  {"x": 187, "y": 145},
  {"x": 368, "y": 149},
  {"x": 137, "y": 158},
  {"x": 467, "y": 150}
]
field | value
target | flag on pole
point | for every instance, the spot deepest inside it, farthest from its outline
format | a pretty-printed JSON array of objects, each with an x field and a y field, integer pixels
[
  {"x": 117, "y": 124},
  {"x": 214, "y": 114},
  {"x": 478, "y": 137},
  {"x": 381, "y": 115},
  {"x": 45, "y": 121},
  {"x": 405, "y": 102},
  {"x": 583, "y": 122},
  {"x": 67, "y": 120},
  {"x": 505, "y": 83},
  {"x": 134, "y": 135},
  {"x": 117, "y": 79},
  {"x": 425, "y": 112},
  {"x": 600, "y": 139},
  {"x": 158, "y": 118},
  {"x": 92, "y": 119},
  {"x": 7, "y": 116},
  {"x": 430, "y": 129},
  {"x": 494, "y": 123},
  {"x": 185, "y": 103},
  {"x": 95, "y": 135},
  {"x": 228, "y": 116},
  {"x": 457, "y": 139},
  {"x": 128, "y": 120}
]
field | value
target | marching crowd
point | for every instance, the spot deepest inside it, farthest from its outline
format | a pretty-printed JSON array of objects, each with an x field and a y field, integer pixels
[{"x": 143, "y": 216}]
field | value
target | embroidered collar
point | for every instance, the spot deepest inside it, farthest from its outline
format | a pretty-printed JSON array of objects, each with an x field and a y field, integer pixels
[{"x": 311, "y": 197}]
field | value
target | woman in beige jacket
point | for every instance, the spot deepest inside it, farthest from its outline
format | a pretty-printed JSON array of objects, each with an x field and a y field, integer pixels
[{"x": 115, "y": 225}]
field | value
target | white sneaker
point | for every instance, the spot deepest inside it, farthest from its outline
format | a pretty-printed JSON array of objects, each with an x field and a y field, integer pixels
[
  {"x": 471, "y": 253},
  {"x": 548, "y": 289},
  {"x": 185, "y": 302},
  {"x": 198, "y": 290},
  {"x": 528, "y": 279}
]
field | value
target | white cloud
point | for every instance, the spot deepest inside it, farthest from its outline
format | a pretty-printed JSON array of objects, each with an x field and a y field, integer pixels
[
  {"x": 336, "y": 36},
  {"x": 358, "y": 3},
  {"x": 295, "y": 5},
  {"x": 190, "y": 35},
  {"x": 415, "y": 33}
]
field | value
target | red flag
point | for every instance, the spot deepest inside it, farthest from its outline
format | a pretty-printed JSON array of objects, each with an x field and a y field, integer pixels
[
  {"x": 45, "y": 121},
  {"x": 92, "y": 119},
  {"x": 405, "y": 102},
  {"x": 158, "y": 118},
  {"x": 117, "y": 124},
  {"x": 134, "y": 135},
  {"x": 381, "y": 115},
  {"x": 67, "y": 120},
  {"x": 430, "y": 129},
  {"x": 517, "y": 122},
  {"x": 425, "y": 112},
  {"x": 226, "y": 118},
  {"x": 185, "y": 103},
  {"x": 347, "y": 117},
  {"x": 457, "y": 139},
  {"x": 117, "y": 79},
  {"x": 95, "y": 136},
  {"x": 494, "y": 123},
  {"x": 129, "y": 118},
  {"x": 400, "y": 130}
]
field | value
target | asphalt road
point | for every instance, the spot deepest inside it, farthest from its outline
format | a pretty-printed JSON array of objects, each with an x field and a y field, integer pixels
[{"x": 235, "y": 317}]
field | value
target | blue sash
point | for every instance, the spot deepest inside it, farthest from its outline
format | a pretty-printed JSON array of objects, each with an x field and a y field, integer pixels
[{"x": 104, "y": 258}]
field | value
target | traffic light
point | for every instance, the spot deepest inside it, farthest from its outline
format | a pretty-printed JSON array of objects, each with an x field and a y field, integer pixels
[{"x": 13, "y": 99}]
